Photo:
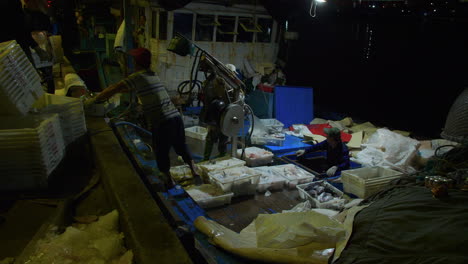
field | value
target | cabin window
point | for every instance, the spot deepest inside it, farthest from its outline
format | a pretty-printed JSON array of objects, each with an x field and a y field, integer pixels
[
  {"x": 225, "y": 30},
  {"x": 204, "y": 27},
  {"x": 162, "y": 25},
  {"x": 183, "y": 24},
  {"x": 266, "y": 25},
  {"x": 246, "y": 29},
  {"x": 154, "y": 19}
]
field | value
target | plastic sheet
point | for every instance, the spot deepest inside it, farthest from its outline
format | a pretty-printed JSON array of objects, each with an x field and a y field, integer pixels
[
  {"x": 279, "y": 238},
  {"x": 388, "y": 149}
]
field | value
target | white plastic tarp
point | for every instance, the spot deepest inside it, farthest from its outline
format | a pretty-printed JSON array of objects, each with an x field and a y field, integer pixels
[{"x": 390, "y": 150}]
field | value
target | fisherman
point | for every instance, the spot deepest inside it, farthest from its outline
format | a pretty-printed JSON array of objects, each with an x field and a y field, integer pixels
[
  {"x": 337, "y": 152},
  {"x": 167, "y": 125},
  {"x": 213, "y": 106}
]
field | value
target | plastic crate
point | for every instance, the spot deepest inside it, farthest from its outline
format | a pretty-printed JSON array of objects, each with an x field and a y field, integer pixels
[
  {"x": 19, "y": 82},
  {"x": 70, "y": 111},
  {"x": 272, "y": 124},
  {"x": 31, "y": 148},
  {"x": 220, "y": 164},
  {"x": 211, "y": 201},
  {"x": 269, "y": 181},
  {"x": 238, "y": 180},
  {"x": 364, "y": 182},
  {"x": 255, "y": 157},
  {"x": 335, "y": 204},
  {"x": 293, "y": 174},
  {"x": 268, "y": 140},
  {"x": 195, "y": 137},
  {"x": 196, "y": 132}
]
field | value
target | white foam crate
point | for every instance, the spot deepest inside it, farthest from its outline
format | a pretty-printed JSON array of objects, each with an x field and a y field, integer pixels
[
  {"x": 334, "y": 204},
  {"x": 363, "y": 182},
  {"x": 255, "y": 157},
  {"x": 269, "y": 181},
  {"x": 293, "y": 174},
  {"x": 238, "y": 180},
  {"x": 268, "y": 140},
  {"x": 31, "y": 147},
  {"x": 221, "y": 164},
  {"x": 71, "y": 114},
  {"x": 272, "y": 124}
]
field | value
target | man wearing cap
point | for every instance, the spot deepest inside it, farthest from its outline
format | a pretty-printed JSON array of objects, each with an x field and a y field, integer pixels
[
  {"x": 337, "y": 152},
  {"x": 167, "y": 125}
]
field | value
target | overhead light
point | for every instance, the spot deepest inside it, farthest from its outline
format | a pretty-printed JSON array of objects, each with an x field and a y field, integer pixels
[{"x": 321, "y": 1}]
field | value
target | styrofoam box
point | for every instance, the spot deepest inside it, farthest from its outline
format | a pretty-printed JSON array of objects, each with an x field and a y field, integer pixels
[
  {"x": 272, "y": 124},
  {"x": 293, "y": 174},
  {"x": 364, "y": 182},
  {"x": 267, "y": 140},
  {"x": 269, "y": 180},
  {"x": 215, "y": 201},
  {"x": 333, "y": 204},
  {"x": 220, "y": 165},
  {"x": 255, "y": 157},
  {"x": 238, "y": 180}
]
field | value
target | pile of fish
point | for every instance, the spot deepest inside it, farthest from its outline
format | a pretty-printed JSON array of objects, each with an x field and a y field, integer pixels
[{"x": 321, "y": 193}]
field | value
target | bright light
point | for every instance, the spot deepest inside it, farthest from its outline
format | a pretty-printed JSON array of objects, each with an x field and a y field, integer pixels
[{"x": 321, "y": 1}]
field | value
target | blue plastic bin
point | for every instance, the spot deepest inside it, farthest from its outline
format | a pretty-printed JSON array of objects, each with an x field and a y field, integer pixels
[
  {"x": 294, "y": 105},
  {"x": 290, "y": 145}
]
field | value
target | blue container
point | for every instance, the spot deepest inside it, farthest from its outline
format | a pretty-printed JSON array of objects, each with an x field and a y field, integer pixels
[
  {"x": 262, "y": 103},
  {"x": 193, "y": 110},
  {"x": 294, "y": 105},
  {"x": 290, "y": 145}
]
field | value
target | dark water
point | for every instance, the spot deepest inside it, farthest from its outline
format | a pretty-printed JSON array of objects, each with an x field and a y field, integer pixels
[{"x": 399, "y": 71}]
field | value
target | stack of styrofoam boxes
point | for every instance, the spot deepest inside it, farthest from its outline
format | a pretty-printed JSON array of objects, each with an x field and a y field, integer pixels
[
  {"x": 195, "y": 138},
  {"x": 238, "y": 180},
  {"x": 71, "y": 113},
  {"x": 364, "y": 182},
  {"x": 256, "y": 156},
  {"x": 20, "y": 84},
  {"x": 31, "y": 147}
]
